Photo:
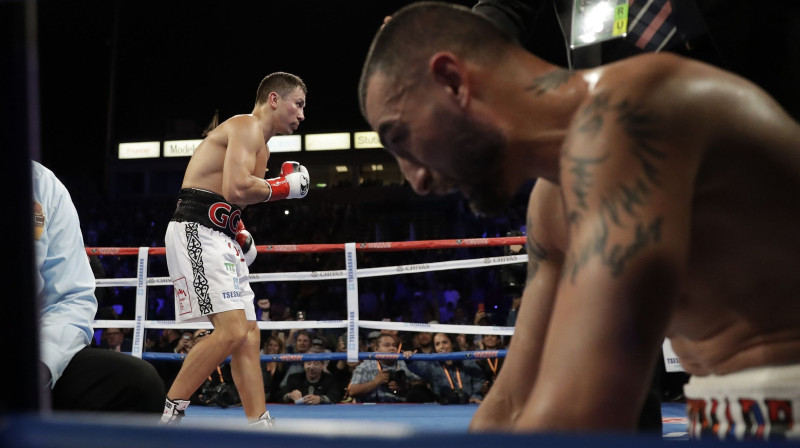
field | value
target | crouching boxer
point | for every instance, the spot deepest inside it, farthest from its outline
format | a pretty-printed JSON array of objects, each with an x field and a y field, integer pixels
[{"x": 209, "y": 250}]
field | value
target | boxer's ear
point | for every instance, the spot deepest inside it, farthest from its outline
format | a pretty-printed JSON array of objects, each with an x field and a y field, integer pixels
[{"x": 450, "y": 72}]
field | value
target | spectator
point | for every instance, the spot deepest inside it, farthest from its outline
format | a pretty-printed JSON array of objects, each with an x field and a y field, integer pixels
[
  {"x": 511, "y": 318},
  {"x": 424, "y": 340},
  {"x": 262, "y": 309},
  {"x": 342, "y": 369},
  {"x": 302, "y": 345},
  {"x": 384, "y": 380},
  {"x": 490, "y": 366},
  {"x": 115, "y": 339},
  {"x": 185, "y": 342},
  {"x": 372, "y": 340},
  {"x": 273, "y": 371},
  {"x": 453, "y": 382},
  {"x": 169, "y": 340},
  {"x": 320, "y": 343},
  {"x": 313, "y": 386}
]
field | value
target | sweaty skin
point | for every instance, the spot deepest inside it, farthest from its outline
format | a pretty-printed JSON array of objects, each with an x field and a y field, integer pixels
[
  {"x": 677, "y": 184},
  {"x": 232, "y": 161}
]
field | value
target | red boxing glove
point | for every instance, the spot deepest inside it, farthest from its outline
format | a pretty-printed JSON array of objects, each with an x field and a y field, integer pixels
[
  {"x": 291, "y": 184},
  {"x": 245, "y": 241}
]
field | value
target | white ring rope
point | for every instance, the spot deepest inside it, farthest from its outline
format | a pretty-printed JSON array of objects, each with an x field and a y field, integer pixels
[
  {"x": 342, "y": 274},
  {"x": 352, "y": 324}
]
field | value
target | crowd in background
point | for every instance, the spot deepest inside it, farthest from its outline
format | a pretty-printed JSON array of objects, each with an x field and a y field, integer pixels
[{"x": 477, "y": 296}]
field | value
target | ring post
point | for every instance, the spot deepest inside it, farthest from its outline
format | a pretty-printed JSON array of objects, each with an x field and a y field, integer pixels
[
  {"x": 141, "y": 302},
  {"x": 352, "y": 302}
]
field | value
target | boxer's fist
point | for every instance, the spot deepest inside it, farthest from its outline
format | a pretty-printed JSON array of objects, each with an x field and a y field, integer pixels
[
  {"x": 245, "y": 241},
  {"x": 291, "y": 184}
]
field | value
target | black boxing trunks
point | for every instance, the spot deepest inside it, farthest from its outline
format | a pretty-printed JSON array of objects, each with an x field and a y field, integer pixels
[{"x": 207, "y": 209}]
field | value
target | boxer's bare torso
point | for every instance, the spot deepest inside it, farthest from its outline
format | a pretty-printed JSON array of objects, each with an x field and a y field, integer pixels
[
  {"x": 737, "y": 306},
  {"x": 248, "y": 151}
]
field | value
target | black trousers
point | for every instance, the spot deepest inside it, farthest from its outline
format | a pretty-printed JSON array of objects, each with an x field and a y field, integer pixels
[{"x": 103, "y": 380}]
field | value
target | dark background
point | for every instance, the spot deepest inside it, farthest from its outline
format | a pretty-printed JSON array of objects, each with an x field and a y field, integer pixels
[
  {"x": 124, "y": 70},
  {"x": 116, "y": 71}
]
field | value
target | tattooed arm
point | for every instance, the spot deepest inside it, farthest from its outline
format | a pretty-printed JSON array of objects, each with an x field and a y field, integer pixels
[
  {"x": 545, "y": 234},
  {"x": 627, "y": 193}
]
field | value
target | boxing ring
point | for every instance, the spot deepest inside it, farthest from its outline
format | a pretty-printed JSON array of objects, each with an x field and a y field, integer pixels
[
  {"x": 351, "y": 274},
  {"x": 350, "y": 424}
]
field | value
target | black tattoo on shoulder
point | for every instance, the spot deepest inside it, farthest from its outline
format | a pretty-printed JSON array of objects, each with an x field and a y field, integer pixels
[
  {"x": 618, "y": 204},
  {"x": 591, "y": 117},
  {"x": 615, "y": 256},
  {"x": 549, "y": 81}
]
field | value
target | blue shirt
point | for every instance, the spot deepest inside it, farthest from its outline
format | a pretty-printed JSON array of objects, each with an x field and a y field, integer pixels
[
  {"x": 64, "y": 280},
  {"x": 368, "y": 370},
  {"x": 470, "y": 375}
]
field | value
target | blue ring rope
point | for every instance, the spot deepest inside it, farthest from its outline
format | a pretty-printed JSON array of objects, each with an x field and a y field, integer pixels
[{"x": 342, "y": 356}]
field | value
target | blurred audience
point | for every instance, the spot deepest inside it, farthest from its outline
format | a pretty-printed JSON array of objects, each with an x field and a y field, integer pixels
[
  {"x": 116, "y": 339},
  {"x": 273, "y": 371},
  {"x": 453, "y": 382},
  {"x": 386, "y": 380},
  {"x": 312, "y": 386}
]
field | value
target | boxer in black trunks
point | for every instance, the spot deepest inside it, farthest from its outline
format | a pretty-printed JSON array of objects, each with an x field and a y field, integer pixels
[{"x": 208, "y": 249}]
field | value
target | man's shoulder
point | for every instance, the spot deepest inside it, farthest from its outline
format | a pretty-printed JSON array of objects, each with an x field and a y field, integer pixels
[
  {"x": 367, "y": 364},
  {"x": 237, "y": 123},
  {"x": 241, "y": 119},
  {"x": 659, "y": 80}
]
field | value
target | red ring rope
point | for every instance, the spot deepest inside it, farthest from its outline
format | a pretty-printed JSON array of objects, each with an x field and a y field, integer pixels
[{"x": 365, "y": 247}]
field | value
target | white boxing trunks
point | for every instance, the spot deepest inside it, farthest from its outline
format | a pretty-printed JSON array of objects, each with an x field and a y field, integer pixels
[
  {"x": 760, "y": 403},
  {"x": 207, "y": 272}
]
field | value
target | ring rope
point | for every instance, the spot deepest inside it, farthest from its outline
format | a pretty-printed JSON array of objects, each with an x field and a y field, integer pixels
[
  {"x": 310, "y": 324},
  {"x": 350, "y": 274},
  {"x": 364, "y": 247},
  {"x": 342, "y": 274},
  {"x": 342, "y": 356}
]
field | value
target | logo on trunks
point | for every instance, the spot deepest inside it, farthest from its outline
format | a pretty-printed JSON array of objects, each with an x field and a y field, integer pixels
[
  {"x": 220, "y": 215},
  {"x": 181, "y": 289},
  {"x": 231, "y": 294}
]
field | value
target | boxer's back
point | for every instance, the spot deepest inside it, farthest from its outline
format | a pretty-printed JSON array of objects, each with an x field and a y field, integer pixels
[{"x": 740, "y": 308}]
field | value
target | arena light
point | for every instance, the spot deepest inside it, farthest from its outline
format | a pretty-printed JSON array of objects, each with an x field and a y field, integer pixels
[
  {"x": 598, "y": 21},
  {"x": 365, "y": 140},
  {"x": 180, "y": 148},
  {"x": 284, "y": 143},
  {"x": 328, "y": 142},
  {"x": 342, "y": 169},
  {"x": 139, "y": 150}
]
